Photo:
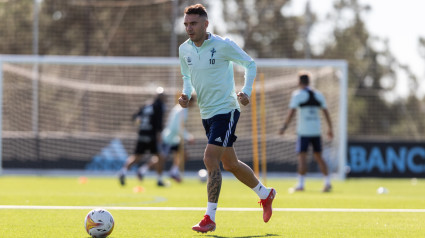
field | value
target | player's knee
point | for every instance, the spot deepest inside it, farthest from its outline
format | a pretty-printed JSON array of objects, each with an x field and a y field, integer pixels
[
  {"x": 210, "y": 162},
  {"x": 230, "y": 166}
]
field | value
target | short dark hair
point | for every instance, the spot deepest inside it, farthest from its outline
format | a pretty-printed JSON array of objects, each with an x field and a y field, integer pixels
[
  {"x": 304, "y": 78},
  {"x": 198, "y": 9}
]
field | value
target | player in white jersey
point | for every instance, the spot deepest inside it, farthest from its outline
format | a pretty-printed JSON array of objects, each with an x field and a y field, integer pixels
[
  {"x": 207, "y": 67},
  {"x": 172, "y": 137},
  {"x": 308, "y": 102}
]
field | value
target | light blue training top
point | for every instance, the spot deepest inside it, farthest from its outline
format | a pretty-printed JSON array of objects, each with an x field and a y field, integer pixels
[
  {"x": 175, "y": 126},
  {"x": 209, "y": 70},
  {"x": 308, "y": 118}
]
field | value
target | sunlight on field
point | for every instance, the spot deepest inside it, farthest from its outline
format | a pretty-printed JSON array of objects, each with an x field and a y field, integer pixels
[{"x": 290, "y": 218}]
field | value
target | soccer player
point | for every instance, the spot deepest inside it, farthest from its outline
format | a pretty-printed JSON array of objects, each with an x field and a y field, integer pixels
[
  {"x": 308, "y": 102},
  {"x": 172, "y": 136},
  {"x": 149, "y": 118},
  {"x": 206, "y": 65}
]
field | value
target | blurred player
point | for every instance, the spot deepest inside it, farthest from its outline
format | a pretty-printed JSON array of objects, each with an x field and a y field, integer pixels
[
  {"x": 150, "y": 120},
  {"x": 207, "y": 66},
  {"x": 172, "y": 135},
  {"x": 308, "y": 102}
]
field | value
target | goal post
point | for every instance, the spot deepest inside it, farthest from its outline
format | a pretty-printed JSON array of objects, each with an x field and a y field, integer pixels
[{"x": 82, "y": 108}]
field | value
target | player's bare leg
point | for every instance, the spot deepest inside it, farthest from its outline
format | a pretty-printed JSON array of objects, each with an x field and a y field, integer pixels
[
  {"x": 302, "y": 170},
  {"x": 238, "y": 168},
  {"x": 212, "y": 157},
  {"x": 159, "y": 168},
  {"x": 323, "y": 167},
  {"x": 245, "y": 174},
  {"x": 150, "y": 164},
  {"x": 175, "y": 168},
  {"x": 131, "y": 160},
  {"x": 302, "y": 163}
]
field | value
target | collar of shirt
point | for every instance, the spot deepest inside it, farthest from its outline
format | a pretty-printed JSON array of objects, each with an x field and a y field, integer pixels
[{"x": 205, "y": 41}]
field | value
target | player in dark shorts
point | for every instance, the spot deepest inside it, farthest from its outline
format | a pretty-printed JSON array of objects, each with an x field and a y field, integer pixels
[
  {"x": 150, "y": 120},
  {"x": 206, "y": 63},
  {"x": 173, "y": 136},
  {"x": 308, "y": 103}
]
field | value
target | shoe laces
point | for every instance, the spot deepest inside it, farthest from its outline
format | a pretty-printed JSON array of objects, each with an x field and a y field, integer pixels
[
  {"x": 205, "y": 221},
  {"x": 262, "y": 202}
]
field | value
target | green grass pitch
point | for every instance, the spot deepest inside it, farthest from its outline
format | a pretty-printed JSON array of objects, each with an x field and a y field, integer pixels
[{"x": 105, "y": 192}]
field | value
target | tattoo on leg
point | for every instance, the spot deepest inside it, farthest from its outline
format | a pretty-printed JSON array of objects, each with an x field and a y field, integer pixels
[{"x": 214, "y": 185}]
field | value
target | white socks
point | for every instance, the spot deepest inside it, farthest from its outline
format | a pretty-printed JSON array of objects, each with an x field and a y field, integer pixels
[
  {"x": 144, "y": 168},
  {"x": 211, "y": 209},
  {"x": 174, "y": 169},
  {"x": 160, "y": 177},
  {"x": 261, "y": 191},
  {"x": 123, "y": 171},
  {"x": 327, "y": 180},
  {"x": 300, "y": 181}
]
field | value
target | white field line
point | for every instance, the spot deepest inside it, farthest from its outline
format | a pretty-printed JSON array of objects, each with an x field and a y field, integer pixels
[{"x": 203, "y": 208}]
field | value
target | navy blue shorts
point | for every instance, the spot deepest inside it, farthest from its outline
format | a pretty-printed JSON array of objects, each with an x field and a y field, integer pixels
[
  {"x": 303, "y": 142},
  {"x": 220, "y": 129}
]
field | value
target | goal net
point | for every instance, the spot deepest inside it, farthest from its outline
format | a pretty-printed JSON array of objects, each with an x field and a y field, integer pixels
[{"x": 70, "y": 112}]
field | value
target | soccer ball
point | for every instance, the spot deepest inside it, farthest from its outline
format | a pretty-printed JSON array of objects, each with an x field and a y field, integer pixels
[
  {"x": 202, "y": 173},
  {"x": 382, "y": 190},
  {"x": 99, "y": 223}
]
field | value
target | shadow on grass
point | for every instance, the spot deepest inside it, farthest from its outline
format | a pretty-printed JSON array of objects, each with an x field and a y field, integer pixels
[{"x": 254, "y": 236}]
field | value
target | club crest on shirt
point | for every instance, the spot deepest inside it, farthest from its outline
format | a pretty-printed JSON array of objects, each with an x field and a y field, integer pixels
[
  {"x": 189, "y": 60},
  {"x": 212, "y": 52}
]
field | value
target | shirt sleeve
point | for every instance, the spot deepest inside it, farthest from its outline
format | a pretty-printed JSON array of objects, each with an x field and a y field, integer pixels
[
  {"x": 137, "y": 114},
  {"x": 294, "y": 102},
  {"x": 187, "y": 84},
  {"x": 322, "y": 100},
  {"x": 237, "y": 55}
]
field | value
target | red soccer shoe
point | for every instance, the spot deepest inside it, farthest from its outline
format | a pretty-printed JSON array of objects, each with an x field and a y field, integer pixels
[
  {"x": 267, "y": 205},
  {"x": 204, "y": 225}
]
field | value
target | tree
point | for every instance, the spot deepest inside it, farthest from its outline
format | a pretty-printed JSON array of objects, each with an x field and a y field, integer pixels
[
  {"x": 372, "y": 72},
  {"x": 115, "y": 28},
  {"x": 266, "y": 32},
  {"x": 16, "y": 27}
]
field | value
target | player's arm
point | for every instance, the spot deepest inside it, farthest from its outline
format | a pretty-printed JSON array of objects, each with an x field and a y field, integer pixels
[
  {"x": 187, "y": 84},
  {"x": 329, "y": 122},
  {"x": 136, "y": 116},
  {"x": 288, "y": 119},
  {"x": 236, "y": 54},
  {"x": 293, "y": 105},
  {"x": 326, "y": 114}
]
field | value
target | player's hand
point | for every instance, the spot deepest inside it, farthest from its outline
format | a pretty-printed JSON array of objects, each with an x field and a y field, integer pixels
[
  {"x": 191, "y": 140},
  {"x": 283, "y": 129},
  {"x": 243, "y": 98},
  {"x": 184, "y": 100},
  {"x": 137, "y": 121}
]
